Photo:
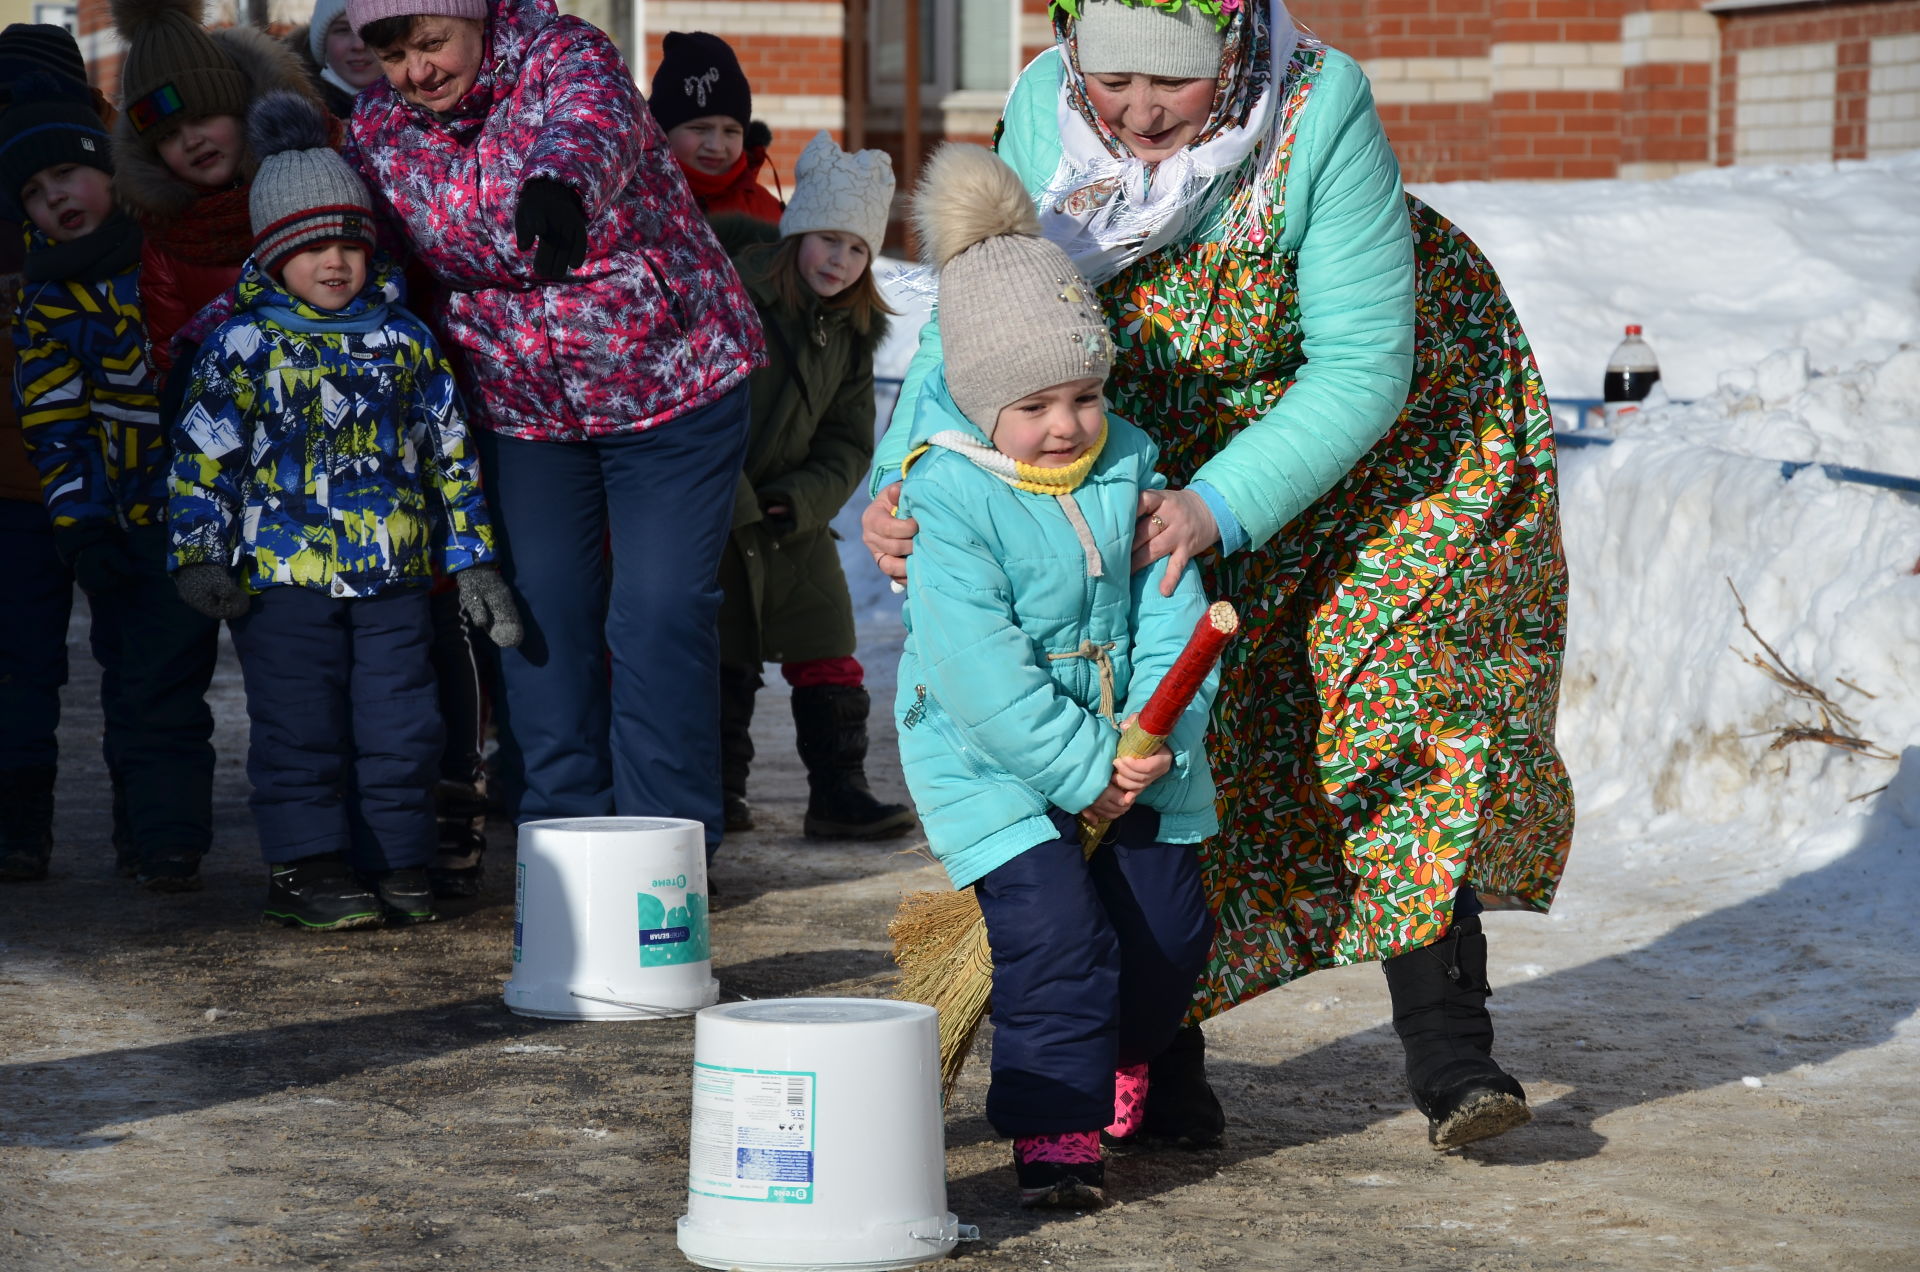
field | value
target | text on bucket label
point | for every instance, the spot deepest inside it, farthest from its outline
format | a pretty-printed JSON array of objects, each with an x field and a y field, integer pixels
[
  {"x": 752, "y": 1134},
  {"x": 673, "y": 925}
]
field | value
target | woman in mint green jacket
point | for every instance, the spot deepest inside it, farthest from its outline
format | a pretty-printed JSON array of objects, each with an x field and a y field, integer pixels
[{"x": 1361, "y": 449}]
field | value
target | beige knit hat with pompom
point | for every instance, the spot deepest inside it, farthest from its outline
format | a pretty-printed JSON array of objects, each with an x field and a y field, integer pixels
[{"x": 1015, "y": 315}]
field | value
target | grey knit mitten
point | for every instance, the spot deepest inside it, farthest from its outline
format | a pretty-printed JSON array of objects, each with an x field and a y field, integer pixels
[
  {"x": 488, "y": 604},
  {"x": 212, "y": 590}
]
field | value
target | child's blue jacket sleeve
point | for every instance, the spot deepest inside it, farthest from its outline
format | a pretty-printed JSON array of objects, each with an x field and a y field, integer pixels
[
  {"x": 211, "y": 444},
  {"x": 980, "y": 666}
]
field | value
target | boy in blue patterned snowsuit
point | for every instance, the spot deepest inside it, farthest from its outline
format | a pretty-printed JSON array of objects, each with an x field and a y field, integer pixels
[
  {"x": 321, "y": 449},
  {"x": 85, "y": 398}
]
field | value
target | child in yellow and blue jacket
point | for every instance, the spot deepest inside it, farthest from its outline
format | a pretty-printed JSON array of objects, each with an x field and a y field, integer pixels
[
  {"x": 85, "y": 399},
  {"x": 322, "y": 472}
]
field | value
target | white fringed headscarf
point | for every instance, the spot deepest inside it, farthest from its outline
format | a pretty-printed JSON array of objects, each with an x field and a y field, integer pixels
[{"x": 1108, "y": 208}]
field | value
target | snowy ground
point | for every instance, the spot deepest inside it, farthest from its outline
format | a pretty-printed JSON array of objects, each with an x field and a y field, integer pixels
[{"x": 1716, "y": 1023}]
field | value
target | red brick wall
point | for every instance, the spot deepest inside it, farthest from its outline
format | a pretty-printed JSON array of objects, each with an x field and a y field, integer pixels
[
  {"x": 1850, "y": 27},
  {"x": 1667, "y": 113}
]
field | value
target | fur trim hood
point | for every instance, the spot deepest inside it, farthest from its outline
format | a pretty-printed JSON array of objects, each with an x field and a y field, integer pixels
[{"x": 145, "y": 184}]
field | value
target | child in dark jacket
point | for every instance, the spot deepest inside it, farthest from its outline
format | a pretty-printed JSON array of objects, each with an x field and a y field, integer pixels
[
  {"x": 811, "y": 442},
  {"x": 322, "y": 445},
  {"x": 702, "y": 101},
  {"x": 86, "y": 403},
  {"x": 1029, "y": 638}
]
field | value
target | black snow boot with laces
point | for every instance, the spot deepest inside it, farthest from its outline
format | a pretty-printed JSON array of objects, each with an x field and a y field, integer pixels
[
  {"x": 26, "y": 822},
  {"x": 830, "y": 731},
  {"x": 1439, "y": 997}
]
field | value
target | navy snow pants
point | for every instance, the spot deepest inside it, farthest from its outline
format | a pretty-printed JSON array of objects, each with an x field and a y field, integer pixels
[
  {"x": 648, "y": 744},
  {"x": 38, "y": 593},
  {"x": 157, "y": 656},
  {"x": 1094, "y": 964},
  {"x": 346, "y": 726}
]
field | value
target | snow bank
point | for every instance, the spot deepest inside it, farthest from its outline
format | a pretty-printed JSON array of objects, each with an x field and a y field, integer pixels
[
  {"x": 1664, "y": 721},
  {"x": 1864, "y": 417},
  {"x": 1721, "y": 267}
]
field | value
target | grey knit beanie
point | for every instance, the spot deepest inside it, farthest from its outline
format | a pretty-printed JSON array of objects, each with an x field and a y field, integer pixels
[
  {"x": 304, "y": 194},
  {"x": 1015, "y": 315},
  {"x": 1118, "y": 38}
]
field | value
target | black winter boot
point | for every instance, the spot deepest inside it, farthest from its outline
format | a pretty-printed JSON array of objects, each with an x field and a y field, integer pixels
[
  {"x": 1439, "y": 997},
  {"x": 460, "y": 814},
  {"x": 320, "y": 894},
  {"x": 26, "y": 822},
  {"x": 830, "y": 729},
  {"x": 738, "y": 685},
  {"x": 1181, "y": 1108}
]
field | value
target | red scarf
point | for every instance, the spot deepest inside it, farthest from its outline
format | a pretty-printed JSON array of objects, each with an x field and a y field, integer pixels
[
  {"x": 706, "y": 186},
  {"x": 216, "y": 230}
]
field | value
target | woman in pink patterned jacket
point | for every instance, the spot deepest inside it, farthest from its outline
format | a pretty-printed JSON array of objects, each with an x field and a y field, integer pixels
[{"x": 604, "y": 344}]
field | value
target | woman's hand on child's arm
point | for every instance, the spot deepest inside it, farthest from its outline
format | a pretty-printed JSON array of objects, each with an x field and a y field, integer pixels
[
  {"x": 1176, "y": 523},
  {"x": 888, "y": 538}
]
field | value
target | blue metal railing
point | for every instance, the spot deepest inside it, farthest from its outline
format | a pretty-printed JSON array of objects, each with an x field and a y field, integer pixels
[{"x": 1788, "y": 467}]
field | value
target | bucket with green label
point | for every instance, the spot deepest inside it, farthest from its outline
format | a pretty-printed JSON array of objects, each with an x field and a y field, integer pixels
[{"x": 610, "y": 920}]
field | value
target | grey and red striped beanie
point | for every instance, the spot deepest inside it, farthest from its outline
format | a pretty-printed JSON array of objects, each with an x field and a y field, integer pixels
[{"x": 304, "y": 195}]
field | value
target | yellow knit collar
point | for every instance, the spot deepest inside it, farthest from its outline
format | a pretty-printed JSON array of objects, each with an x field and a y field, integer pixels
[{"x": 1058, "y": 481}]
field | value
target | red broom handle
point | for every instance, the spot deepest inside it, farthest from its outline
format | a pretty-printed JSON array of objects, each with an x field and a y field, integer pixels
[{"x": 1175, "y": 693}]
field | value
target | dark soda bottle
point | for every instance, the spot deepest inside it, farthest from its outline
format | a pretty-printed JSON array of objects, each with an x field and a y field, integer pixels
[{"x": 1632, "y": 371}]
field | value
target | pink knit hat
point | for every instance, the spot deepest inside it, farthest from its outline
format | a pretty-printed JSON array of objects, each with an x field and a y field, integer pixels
[{"x": 362, "y": 12}]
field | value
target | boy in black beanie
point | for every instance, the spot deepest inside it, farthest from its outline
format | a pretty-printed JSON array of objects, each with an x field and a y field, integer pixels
[
  {"x": 86, "y": 404},
  {"x": 702, "y": 101}
]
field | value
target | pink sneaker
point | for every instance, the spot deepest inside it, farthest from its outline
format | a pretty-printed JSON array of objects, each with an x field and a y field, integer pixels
[
  {"x": 1129, "y": 1102},
  {"x": 1061, "y": 1172}
]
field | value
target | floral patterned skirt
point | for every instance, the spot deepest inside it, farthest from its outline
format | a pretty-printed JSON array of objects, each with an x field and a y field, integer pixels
[{"x": 1384, "y": 730}]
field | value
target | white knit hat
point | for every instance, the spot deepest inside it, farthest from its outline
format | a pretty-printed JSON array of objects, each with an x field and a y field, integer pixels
[
  {"x": 1118, "y": 37},
  {"x": 833, "y": 190},
  {"x": 324, "y": 12}
]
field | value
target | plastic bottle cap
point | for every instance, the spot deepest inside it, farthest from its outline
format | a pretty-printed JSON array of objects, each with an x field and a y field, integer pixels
[{"x": 1633, "y": 328}]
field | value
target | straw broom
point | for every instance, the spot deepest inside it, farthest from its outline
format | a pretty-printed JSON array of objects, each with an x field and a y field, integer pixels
[{"x": 940, "y": 938}]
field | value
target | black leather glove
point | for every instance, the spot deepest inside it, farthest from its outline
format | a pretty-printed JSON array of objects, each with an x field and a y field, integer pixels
[
  {"x": 488, "y": 604},
  {"x": 96, "y": 552},
  {"x": 212, "y": 590},
  {"x": 551, "y": 213}
]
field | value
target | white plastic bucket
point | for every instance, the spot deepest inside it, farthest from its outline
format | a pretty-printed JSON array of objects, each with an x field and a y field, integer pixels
[
  {"x": 610, "y": 920},
  {"x": 817, "y": 1137}
]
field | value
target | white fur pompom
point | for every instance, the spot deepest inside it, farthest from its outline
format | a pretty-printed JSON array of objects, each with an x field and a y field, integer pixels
[{"x": 967, "y": 195}]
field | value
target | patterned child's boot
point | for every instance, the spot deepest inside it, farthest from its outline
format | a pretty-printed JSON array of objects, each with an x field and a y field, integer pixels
[
  {"x": 1129, "y": 1105},
  {"x": 1061, "y": 1172}
]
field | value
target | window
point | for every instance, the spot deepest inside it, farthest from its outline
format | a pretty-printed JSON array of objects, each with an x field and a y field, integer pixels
[
  {"x": 60, "y": 15},
  {"x": 966, "y": 46}
]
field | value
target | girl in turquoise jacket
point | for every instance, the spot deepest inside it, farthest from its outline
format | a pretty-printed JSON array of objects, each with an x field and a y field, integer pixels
[{"x": 1029, "y": 640}]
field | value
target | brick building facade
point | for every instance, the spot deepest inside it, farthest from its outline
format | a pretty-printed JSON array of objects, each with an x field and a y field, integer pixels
[{"x": 1469, "y": 89}]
